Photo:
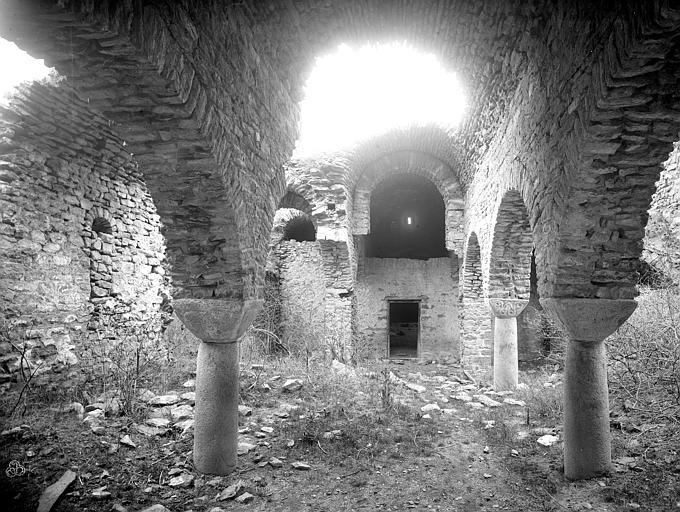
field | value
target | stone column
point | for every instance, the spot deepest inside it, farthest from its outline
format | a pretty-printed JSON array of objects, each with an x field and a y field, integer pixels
[
  {"x": 219, "y": 324},
  {"x": 587, "y": 445},
  {"x": 505, "y": 365}
]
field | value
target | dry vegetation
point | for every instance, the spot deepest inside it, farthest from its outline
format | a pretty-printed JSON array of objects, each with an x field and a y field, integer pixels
[{"x": 361, "y": 430}]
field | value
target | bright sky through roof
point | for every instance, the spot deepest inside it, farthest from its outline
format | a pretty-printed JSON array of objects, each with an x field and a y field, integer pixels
[
  {"x": 354, "y": 94},
  {"x": 17, "y": 67}
]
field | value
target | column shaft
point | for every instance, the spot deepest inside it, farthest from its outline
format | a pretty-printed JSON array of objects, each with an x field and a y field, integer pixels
[
  {"x": 216, "y": 411},
  {"x": 587, "y": 448},
  {"x": 505, "y": 365}
]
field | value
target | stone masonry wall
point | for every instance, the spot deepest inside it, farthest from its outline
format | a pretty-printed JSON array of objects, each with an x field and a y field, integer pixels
[
  {"x": 61, "y": 170},
  {"x": 433, "y": 281},
  {"x": 302, "y": 294},
  {"x": 662, "y": 236},
  {"x": 315, "y": 294},
  {"x": 474, "y": 314}
]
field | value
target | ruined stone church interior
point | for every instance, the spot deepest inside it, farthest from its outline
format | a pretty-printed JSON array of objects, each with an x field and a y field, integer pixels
[{"x": 161, "y": 169}]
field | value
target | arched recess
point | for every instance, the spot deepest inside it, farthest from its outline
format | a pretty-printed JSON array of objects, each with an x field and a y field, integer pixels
[
  {"x": 407, "y": 219},
  {"x": 420, "y": 164},
  {"x": 475, "y": 319},
  {"x": 511, "y": 248},
  {"x": 292, "y": 224},
  {"x": 295, "y": 201}
]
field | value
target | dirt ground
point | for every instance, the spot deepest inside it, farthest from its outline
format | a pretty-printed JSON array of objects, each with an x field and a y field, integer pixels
[{"x": 369, "y": 440}]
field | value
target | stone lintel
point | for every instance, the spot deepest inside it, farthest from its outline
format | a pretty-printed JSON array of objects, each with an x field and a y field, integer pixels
[
  {"x": 589, "y": 319},
  {"x": 217, "y": 320},
  {"x": 507, "y": 308}
]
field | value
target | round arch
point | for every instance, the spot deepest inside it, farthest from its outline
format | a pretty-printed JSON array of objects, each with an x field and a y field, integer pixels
[
  {"x": 296, "y": 201},
  {"x": 417, "y": 163},
  {"x": 472, "y": 288},
  {"x": 511, "y": 248}
]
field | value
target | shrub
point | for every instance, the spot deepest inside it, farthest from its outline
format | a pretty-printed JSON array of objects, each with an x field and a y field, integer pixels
[{"x": 645, "y": 354}]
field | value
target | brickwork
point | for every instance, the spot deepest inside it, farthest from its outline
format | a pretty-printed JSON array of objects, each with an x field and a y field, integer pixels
[
  {"x": 433, "y": 282},
  {"x": 582, "y": 144},
  {"x": 211, "y": 155},
  {"x": 79, "y": 236}
]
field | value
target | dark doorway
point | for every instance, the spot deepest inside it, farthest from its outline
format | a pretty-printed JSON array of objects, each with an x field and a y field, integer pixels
[{"x": 404, "y": 322}]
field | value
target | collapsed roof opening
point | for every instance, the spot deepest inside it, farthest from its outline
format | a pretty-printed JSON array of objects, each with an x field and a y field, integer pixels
[
  {"x": 300, "y": 229},
  {"x": 407, "y": 219},
  {"x": 357, "y": 93}
]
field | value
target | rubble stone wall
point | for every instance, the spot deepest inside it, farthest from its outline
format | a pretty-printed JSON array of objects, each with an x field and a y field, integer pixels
[
  {"x": 662, "y": 235},
  {"x": 62, "y": 172},
  {"x": 475, "y": 316},
  {"x": 302, "y": 294},
  {"x": 434, "y": 282}
]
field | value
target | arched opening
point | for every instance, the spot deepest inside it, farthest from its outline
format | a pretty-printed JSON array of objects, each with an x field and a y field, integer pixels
[
  {"x": 475, "y": 320},
  {"x": 407, "y": 219},
  {"x": 512, "y": 276},
  {"x": 300, "y": 229},
  {"x": 510, "y": 267},
  {"x": 472, "y": 271}
]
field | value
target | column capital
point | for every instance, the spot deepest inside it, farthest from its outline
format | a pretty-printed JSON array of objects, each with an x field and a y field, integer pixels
[
  {"x": 589, "y": 319},
  {"x": 217, "y": 320},
  {"x": 507, "y": 308}
]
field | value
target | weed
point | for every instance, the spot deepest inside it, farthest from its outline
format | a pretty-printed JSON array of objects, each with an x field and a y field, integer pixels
[{"x": 644, "y": 355}]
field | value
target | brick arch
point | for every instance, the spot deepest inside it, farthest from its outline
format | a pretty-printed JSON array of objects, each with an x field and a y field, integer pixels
[
  {"x": 625, "y": 125},
  {"x": 511, "y": 248},
  {"x": 296, "y": 201},
  {"x": 410, "y": 162},
  {"x": 471, "y": 276},
  {"x": 138, "y": 67}
]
